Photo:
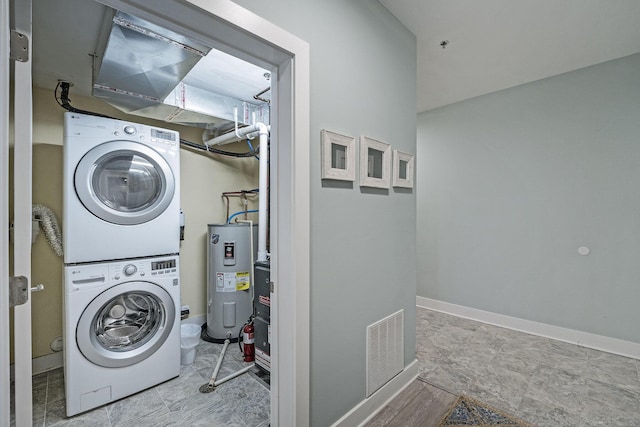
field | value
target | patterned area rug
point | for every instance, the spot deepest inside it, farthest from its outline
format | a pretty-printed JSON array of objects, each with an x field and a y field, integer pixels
[{"x": 470, "y": 412}]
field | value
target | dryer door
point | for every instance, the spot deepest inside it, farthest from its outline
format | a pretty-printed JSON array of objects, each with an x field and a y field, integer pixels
[
  {"x": 125, "y": 324},
  {"x": 124, "y": 182}
]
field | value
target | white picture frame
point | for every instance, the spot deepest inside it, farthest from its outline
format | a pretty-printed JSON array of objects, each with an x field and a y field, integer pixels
[
  {"x": 338, "y": 154},
  {"x": 403, "y": 169},
  {"x": 375, "y": 163}
]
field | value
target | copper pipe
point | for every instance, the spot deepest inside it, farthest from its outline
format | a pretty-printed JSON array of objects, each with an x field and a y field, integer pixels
[{"x": 241, "y": 193}]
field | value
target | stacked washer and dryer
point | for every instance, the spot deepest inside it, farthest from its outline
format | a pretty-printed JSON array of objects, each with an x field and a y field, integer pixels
[{"x": 121, "y": 222}]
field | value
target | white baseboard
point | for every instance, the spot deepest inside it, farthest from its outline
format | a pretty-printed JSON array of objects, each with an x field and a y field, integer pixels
[
  {"x": 583, "y": 339},
  {"x": 368, "y": 408},
  {"x": 43, "y": 363},
  {"x": 47, "y": 362}
]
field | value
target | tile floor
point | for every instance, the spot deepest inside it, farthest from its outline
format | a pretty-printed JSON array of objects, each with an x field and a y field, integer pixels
[
  {"x": 542, "y": 381},
  {"x": 545, "y": 382},
  {"x": 241, "y": 402}
]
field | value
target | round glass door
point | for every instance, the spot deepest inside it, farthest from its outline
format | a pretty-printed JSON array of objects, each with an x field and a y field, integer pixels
[
  {"x": 125, "y": 324},
  {"x": 125, "y": 183}
]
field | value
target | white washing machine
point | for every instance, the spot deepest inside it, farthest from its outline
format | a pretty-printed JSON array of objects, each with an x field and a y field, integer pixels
[
  {"x": 121, "y": 190},
  {"x": 121, "y": 329}
]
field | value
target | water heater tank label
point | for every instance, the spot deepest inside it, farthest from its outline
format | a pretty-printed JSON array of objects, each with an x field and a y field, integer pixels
[
  {"x": 225, "y": 282},
  {"x": 231, "y": 282},
  {"x": 242, "y": 281}
]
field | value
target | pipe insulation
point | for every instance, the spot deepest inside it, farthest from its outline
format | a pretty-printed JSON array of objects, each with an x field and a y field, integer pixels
[{"x": 49, "y": 225}]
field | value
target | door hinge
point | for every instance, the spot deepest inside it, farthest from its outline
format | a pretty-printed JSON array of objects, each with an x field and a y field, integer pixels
[
  {"x": 19, "y": 48},
  {"x": 271, "y": 287},
  {"x": 18, "y": 290}
]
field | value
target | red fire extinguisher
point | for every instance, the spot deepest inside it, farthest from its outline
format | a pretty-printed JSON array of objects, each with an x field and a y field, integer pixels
[{"x": 248, "y": 339}]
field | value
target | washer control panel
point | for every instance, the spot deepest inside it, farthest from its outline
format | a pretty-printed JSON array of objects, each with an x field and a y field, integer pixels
[
  {"x": 164, "y": 267},
  {"x": 127, "y": 270},
  {"x": 143, "y": 269}
]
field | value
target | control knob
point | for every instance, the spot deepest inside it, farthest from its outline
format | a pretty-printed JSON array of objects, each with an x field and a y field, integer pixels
[{"x": 129, "y": 269}]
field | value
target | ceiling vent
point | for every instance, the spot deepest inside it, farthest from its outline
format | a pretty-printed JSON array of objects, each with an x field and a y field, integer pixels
[{"x": 152, "y": 72}]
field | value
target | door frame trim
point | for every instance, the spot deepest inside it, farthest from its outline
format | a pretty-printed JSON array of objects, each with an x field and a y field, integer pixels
[
  {"x": 22, "y": 206},
  {"x": 239, "y": 32},
  {"x": 4, "y": 216}
]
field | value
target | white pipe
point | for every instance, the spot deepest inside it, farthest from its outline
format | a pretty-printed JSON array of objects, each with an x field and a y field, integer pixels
[
  {"x": 235, "y": 374},
  {"x": 263, "y": 131},
  {"x": 231, "y": 136},
  {"x": 262, "y": 188},
  {"x": 252, "y": 252},
  {"x": 245, "y": 132},
  {"x": 212, "y": 381}
]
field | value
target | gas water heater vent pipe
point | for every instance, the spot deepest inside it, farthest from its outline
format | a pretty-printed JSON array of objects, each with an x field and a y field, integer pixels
[{"x": 263, "y": 131}]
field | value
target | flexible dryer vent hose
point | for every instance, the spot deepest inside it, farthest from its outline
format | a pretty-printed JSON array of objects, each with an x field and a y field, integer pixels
[{"x": 49, "y": 225}]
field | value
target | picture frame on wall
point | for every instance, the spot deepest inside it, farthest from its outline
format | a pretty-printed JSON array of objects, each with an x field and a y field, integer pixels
[
  {"x": 338, "y": 154},
  {"x": 403, "y": 169},
  {"x": 375, "y": 163}
]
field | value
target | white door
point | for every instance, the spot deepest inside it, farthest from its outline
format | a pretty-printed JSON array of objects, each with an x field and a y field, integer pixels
[{"x": 20, "y": 11}]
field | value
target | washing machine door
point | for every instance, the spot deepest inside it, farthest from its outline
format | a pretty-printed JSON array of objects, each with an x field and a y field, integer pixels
[
  {"x": 125, "y": 324},
  {"x": 124, "y": 182}
]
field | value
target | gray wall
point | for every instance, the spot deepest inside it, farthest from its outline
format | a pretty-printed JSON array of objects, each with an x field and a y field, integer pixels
[
  {"x": 362, "y": 244},
  {"x": 512, "y": 183}
]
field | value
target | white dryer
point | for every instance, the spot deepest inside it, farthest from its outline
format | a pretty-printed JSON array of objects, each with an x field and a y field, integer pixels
[
  {"x": 121, "y": 329},
  {"x": 121, "y": 189}
]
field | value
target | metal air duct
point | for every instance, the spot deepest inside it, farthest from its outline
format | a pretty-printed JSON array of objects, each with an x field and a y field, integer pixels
[{"x": 149, "y": 71}]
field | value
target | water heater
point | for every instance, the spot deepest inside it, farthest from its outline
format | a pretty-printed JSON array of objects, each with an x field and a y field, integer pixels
[{"x": 229, "y": 270}]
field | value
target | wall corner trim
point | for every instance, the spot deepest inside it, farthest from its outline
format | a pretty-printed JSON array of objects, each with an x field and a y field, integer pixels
[
  {"x": 369, "y": 407},
  {"x": 571, "y": 336}
]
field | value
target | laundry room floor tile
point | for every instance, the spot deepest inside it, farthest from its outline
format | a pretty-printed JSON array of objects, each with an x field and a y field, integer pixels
[{"x": 241, "y": 402}]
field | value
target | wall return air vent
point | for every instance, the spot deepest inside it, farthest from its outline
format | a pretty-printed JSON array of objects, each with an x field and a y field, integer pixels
[{"x": 385, "y": 350}]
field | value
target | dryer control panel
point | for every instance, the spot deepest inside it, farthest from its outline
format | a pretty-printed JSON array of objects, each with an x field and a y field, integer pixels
[{"x": 81, "y": 125}]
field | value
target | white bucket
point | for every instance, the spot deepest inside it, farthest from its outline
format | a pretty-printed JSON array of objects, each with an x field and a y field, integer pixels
[
  {"x": 189, "y": 339},
  {"x": 189, "y": 334},
  {"x": 187, "y": 354}
]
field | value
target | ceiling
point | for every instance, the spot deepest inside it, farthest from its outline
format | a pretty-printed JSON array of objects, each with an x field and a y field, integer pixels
[
  {"x": 496, "y": 44},
  {"x": 62, "y": 43},
  {"x": 492, "y": 44}
]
